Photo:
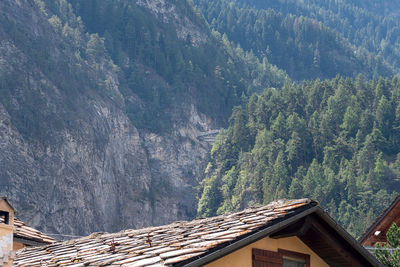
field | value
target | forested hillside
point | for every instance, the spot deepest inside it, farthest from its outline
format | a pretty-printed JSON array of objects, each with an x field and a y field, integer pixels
[
  {"x": 336, "y": 141},
  {"x": 312, "y": 39},
  {"x": 101, "y": 103}
]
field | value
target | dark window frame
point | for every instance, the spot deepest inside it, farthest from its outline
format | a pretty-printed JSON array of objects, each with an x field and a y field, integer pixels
[
  {"x": 295, "y": 255},
  {"x": 6, "y": 216}
]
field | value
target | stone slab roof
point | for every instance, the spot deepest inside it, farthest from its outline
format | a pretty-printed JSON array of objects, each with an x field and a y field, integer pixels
[
  {"x": 160, "y": 246},
  {"x": 24, "y": 232}
]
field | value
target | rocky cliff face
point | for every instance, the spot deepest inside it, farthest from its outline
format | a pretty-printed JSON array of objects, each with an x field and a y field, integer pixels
[
  {"x": 107, "y": 177},
  {"x": 71, "y": 161}
]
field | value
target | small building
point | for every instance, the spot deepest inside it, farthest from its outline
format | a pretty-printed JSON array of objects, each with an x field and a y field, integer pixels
[
  {"x": 376, "y": 233},
  {"x": 284, "y": 233},
  {"x": 15, "y": 234}
]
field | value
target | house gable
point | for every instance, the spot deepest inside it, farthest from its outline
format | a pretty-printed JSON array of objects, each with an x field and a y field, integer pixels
[
  {"x": 377, "y": 231},
  {"x": 5, "y": 205},
  {"x": 317, "y": 232},
  {"x": 243, "y": 256}
]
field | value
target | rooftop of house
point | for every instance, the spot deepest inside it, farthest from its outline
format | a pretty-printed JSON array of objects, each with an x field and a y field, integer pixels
[
  {"x": 376, "y": 232},
  {"x": 182, "y": 243},
  {"x": 26, "y": 234},
  {"x": 23, "y": 231}
]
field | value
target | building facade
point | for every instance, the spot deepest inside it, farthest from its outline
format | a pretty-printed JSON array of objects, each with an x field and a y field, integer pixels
[{"x": 16, "y": 235}]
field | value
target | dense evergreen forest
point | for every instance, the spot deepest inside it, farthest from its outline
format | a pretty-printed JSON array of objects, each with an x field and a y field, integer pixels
[
  {"x": 336, "y": 141},
  {"x": 311, "y": 39}
]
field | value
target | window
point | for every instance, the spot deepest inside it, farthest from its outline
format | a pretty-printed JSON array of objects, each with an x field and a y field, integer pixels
[
  {"x": 294, "y": 259},
  {"x": 4, "y": 217},
  {"x": 282, "y": 258},
  {"x": 293, "y": 263}
]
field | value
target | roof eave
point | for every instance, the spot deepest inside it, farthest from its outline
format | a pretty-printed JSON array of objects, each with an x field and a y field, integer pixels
[
  {"x": 202, "y": 260},
  {"x": 379, "y": 219},
  {"x": 249, "y": 239},
  {"x": 29, "y": 242},
  {"x": 346, "y": 236}
]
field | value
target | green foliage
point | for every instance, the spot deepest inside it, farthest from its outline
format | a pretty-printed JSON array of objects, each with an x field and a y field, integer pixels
[
  {"x": 323, "y": 139},
  {"x": 310, "y": 39},
  {"x": 390, "y": 259}
]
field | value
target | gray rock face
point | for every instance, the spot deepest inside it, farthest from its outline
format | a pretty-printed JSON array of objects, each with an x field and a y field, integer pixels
[
  {"x": 107, "y": 178},
  {"x": 97, "y": 171}
]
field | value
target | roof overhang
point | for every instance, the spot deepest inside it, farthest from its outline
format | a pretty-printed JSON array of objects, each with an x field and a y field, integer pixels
[
  {"x": 394, "y": 205},
  {"x": 28, "y": 242},
  {"x": 311, "y": 221}
]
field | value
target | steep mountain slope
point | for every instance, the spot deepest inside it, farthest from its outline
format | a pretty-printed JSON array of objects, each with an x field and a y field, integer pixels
[
  {"x": 310, "y": 39},
  {"x": 98, "y": 130},
  {"x": 101, "y": 103}
]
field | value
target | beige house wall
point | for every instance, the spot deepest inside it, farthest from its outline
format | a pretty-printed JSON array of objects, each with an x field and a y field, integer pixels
[
  {"x": 6, "y": 235},
  {"x": 6, "y": 238},
  {"x": 243, "y": 256},
  {"x": 6, "y": 244}
]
